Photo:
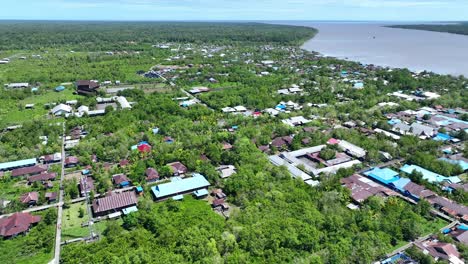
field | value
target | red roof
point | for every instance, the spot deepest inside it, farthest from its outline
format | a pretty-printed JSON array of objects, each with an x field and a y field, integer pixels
[
  {"x": 144, "y": 148},
  {"x": 333, "y": 141},
  {"x": 114, "y": 201},
  {"x": 29, "y": 197},
  {"x": 17, "y": 223},
  {"x": 28, "y": 170}
]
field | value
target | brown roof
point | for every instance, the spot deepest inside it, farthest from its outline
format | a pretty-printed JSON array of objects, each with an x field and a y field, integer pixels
[
  {"x": 114, "y": 201},
  {"x": 71, "y": 160},
  {"x": 51, "y": 196},
  {"x": 42, "y": 177},
  {"x": 227, "y": 146},
  {"x": 89, "y": 185},
  {"x": 17, "y": 223},
  {"x": 151, "y": 174},
  {"x": 124, "y": 163},
  {"x": 279, "y": 142},
  {"x": 28, "y": 170},
  {"x": 178, "y": 167},
  {"x": 90, "y": 84},
  {"x": 218, "y": 202},
  {"x": 119, "y": 178},
  {"x": 29, "y": 197},
  {"x": 362, "y": 188}
]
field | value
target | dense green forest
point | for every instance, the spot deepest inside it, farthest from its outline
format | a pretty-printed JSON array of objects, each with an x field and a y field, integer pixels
[
  {"x": 95, "y": 36},
  {"x": 455, "y": 28}
]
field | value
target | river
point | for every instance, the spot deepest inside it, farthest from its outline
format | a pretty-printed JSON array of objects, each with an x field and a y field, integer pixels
[{"x": 372, "y": 43}]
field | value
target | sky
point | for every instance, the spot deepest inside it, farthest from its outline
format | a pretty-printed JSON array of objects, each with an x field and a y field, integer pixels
[{"x": 367, "y": 10}]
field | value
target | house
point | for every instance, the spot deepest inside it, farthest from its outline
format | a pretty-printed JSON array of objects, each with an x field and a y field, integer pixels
[
  {"x": 352, "y": 149},
  {"x": 227, "y": 146},
  {"x": 28, "y": 171},
  {"x": 121, "y": 180},
  {"x": 17, "y": 164},
  {"x": 430, "y": 176},
  {"x": 218, "y": 193},
  {"x": 61, "y": 109},
  {"x": 86, "y": 185},
  {"x": 29, "y": 198},
  {"x": 51, "y": 196},
  {"x": 152, "y": 175},
  {"x": 385, "y": 176},
  {"x": 178, "y": 187},
  {"x": 52, "y": 158},
  {"x": 17, "y": 223},
  {"x": 440, "y": 251},
  {"x": 71, "y": 161},
  {"x": 177, "y": 168},
  {"x": 84, "y": 87},
  {"x": 226, "y": 171},
  {"x": 43, "y": 177},
  {"x": 114, "y": 202},
  {"x": 220, "y": 204},
  {"x": 124, "y": 104},
  {"x": 460, "y": 235},
  {"x": 296, "y": 121},
  {"x": 282, "y": 142},
  {"x": 362, "y": 188}
]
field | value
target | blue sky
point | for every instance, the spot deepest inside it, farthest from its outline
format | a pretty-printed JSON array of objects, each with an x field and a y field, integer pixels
[{"x": 405, "y": 10}]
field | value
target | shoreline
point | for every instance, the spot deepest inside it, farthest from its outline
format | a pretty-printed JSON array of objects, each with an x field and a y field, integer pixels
[{"x": 408, "y": 57}]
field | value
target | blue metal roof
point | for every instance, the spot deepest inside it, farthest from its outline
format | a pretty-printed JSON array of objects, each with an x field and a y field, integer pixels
[
  {"x": 429, "y": 175},
  {"x": 401, "y": 183},
  {"x": 18, "y": 163},
  {"x": 383, "y": 175},
  {"x": 178, "y": 186}
]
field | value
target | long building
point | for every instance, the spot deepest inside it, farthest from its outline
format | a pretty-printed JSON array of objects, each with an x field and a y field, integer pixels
[
  {"x": 179, "y": 186},
  {"x": 115, "y": 202}
]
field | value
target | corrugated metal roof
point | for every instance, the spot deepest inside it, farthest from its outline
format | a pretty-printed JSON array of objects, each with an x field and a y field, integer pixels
[
  {"x": 18, "y": 163},
  {"x": 172, "y": 188},
  {"x": 114, "y": 201}
]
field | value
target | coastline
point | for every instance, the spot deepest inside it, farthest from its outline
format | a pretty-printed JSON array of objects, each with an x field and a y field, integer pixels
[{"x": 391, "y": 47}]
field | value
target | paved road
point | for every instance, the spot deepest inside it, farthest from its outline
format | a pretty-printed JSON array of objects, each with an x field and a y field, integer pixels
[{"x": 58, "y": 233}]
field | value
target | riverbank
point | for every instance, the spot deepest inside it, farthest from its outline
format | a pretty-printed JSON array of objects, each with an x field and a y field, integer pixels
[{"x": 375, "y": 43}]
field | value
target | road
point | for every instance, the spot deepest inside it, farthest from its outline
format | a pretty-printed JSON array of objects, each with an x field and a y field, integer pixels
[
  {"x": 420, "y": 239},
  {"x": 58, "y": 233}
]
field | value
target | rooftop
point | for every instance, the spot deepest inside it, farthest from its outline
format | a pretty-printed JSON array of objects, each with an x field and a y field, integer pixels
[{"x": 180, "y": 186}]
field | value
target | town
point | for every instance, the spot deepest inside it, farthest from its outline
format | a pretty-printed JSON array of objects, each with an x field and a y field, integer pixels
[{"x": 225, "y": 136}]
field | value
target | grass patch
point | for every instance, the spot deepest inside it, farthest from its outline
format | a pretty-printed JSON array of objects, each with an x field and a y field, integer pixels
[{"x": 71, "y": 222}]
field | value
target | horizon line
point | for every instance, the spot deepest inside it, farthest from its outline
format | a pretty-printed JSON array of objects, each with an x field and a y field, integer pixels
[{"x": 228, "y": 20}]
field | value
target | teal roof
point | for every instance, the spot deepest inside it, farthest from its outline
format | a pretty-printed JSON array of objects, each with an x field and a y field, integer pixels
[
  {"x": 428, "y": 175},
  {"x": 128, "y": 210},
  {"x": 201, "y": 193},
  {"x": 16, "y": 164},
  {"x": 383, "y": 175},
  {"x": 180, "y": 186}
]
